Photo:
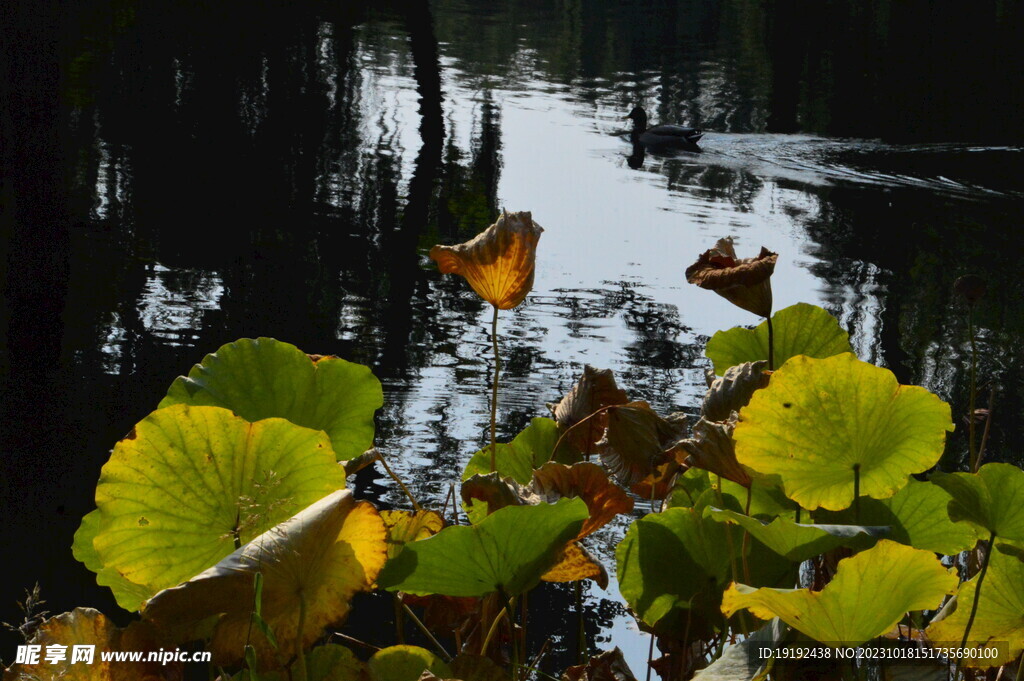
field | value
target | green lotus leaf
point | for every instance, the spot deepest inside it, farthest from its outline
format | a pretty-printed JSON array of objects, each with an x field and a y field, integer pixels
[
  {"x": 406, "y": 663},
  {"x": 311, "y": 565},
  {"x": 991, "y": 500},
  {"x": 517, "y": 459},
  {"x": 670, "y": 562},
  {"x": 999, "y": 622},
  {"x": 741, "y": 661},
  {"x": 821, "y": 420},
  {"x": 331, "y": 662},
  {"x": 264, "y": 378},
  {"x": 795, "y": 541},
  {"x": 800, "y": 329},
  {"x": 509, "y": 549},
  {"x": 917, "y": 517},
  {"x": 695, "y": 489},
  {"x": 189, "y": 482},
  {"x": 867, "y": 597}
]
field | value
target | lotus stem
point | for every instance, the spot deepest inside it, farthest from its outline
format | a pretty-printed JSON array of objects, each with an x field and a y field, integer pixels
[
  {"x": 391, "y": 473},
  {"x": 977, "y": 590},
  {"x": 972, "y": 395},
  {"x": 581, "y": 632},
  {"x": 426, "y": 632},
  {"x": 509, "y": 607},
  {"x": 399, "y": 619},
  {"x": 494, "y": 392},
  {"x": 490, "y": 632},
  {"x": 745, "y": 543},
  {"x": 771, "y": 343},
  {"x": 988, "y": 425},
  {"x": 650, "y": 657},
  {"x": 300, "y": 653},
  {"x": 732, "y": 551}
]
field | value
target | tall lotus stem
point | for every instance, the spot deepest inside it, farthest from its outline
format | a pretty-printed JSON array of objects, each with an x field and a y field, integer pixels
[
  {"x": 771, "y": 345},
  {"x": 977, "y": 590},
  {"x": 494, "y": 392},
  {"x": 972, "y": 397}
]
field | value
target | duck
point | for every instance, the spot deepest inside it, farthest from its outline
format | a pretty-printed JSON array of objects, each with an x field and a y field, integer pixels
[{"x": 661, "y": 135}]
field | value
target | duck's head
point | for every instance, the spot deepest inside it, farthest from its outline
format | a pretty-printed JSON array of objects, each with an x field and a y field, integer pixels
[{"x": 639, "y": 117}]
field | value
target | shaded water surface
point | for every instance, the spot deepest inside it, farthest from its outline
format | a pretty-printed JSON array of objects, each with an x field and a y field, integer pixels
[{"x": 194, "y": 174}]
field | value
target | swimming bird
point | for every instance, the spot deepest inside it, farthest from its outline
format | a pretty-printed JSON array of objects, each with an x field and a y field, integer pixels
[{"x": 661, "y": 135}]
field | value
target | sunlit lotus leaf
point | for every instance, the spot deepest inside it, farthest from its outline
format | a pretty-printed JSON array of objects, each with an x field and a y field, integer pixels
[
  {"x": 658, "y": 484},
  {"x": 697, "y": 489},
  {"x": 608, "y": 666},
  {"x": 331, "y": 662},
  {"x": 595, "y": 389},
  {"x": 713, "y": 449},
  {"x": 406, "y": 663},
  {"x": 517, "y": 459},
  {"x": 733, "y": 390},
  {"x": 316, "y": 561},
  {"x": 499, "y": 262},
  {"x": 128, "y": 594},
  {"x": 471, "y": 668},
  {"x": 187, "y": 483},
  {"x": 1000, "y": 616},
  {"x": 636, "y": 441},
  {"x": 820, "y": 420},
  {"x": 797, "y": 541},
  {"x": 509, "y": 549},
  {"x": 992, "y": 500},
  {"x": 408, "y": 526},
  {"x": 88, "y": 627},
  {"x": 800, "y": 329},
  {"x": 669, "y": 562},
  {"x": 263, "y": 378},
  {"x": 575, "y": 564},
  {"x": 869, "y": 594},
  {"x": 745, "y": 282},
  {"x": 917, "y": 517},
  {"x": 604, "y": 499}
]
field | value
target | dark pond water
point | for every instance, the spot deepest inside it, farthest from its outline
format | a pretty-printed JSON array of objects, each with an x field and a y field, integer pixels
[{"x": 179, "y": 175}]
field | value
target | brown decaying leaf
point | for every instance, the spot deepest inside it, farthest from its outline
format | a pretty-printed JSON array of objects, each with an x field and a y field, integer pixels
[
  {"x": 604, "y": 499},
  {"x": 575, "y": 564},
  {"x": 658, "y": 484},
  {"x": 636, "y": 441},
  {"x": 88, "y": 627},
  {"x": 608, "y": 666},
  {"x": 595, "y": 389},
  {"x": 745, "y": 282},
  {"x": 499, "y": 262},
  {"x": 713, "y": 449},
  {"x": 445, "y": 614},
  {"x": 492, "y": 489},
  {"x": 734, "y": 389}
]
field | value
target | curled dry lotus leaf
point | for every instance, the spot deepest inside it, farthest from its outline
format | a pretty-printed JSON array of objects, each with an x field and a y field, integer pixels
[
  {"x": 820, "y": 421},
  {"x": 733, "y": 390},
  {"x": 800, "y": 329},
  {"x": 403, "y": 527},
  {"x": 186, "y": 483},
  {"x": 999, "y": 621},
  {"x": 529, "y": 450},
  {"x": 595, "y": 389},
  {"x": 992, "y": 500},
  {"x": 636, "y": 441},
  {"x": 509, "y": 549},
  {"x": 745, "y": 282},
  {"x": 314, "y": 562},
  {"x": 499, "y": 262},
  {"x": 713, "y": 449},
  {"x": 608, "y": 666},
  {"x": 485, "y": 494},
  {"x": 604, "y": 499},
  {"x": 658, "y": 484},
  {"x": 264, "y": 378},
  {"x": 869, "y": 594},
  {"x": 406, "y": 663},
  {"x": 797, "y": 541},
  {"x": 88, "y": 627}
]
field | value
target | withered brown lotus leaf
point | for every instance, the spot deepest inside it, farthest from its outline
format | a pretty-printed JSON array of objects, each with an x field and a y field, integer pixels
[
  {"x": 745, "y": 282},
  {"x": 445, "y": 614},
  {"x": 658, "y": 485},
  {"x": 608, "y": 666},
  {"x": 636, "y": 441},
  {"x": 595, "y": 389},
  {"x": 492, "y": 489},
  {"x": 604, "y": 499},
  {"x": 499, "y": 262},
  {"x": 713, "y": 449},
  {"x": 575, "y": 564},
  {"x": 733, "y": 390}
]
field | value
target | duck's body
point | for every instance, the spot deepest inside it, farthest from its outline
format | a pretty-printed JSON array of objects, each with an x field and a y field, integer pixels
[{"x": 662, "y": 135}]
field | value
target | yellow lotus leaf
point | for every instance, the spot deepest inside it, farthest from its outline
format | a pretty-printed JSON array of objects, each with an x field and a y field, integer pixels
[
  {"x": 312, "y": 566},
  {"x": 577, "y": 563},
  {"x": 406, "y": 526},
  {"x": 499, "y": 262}
]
